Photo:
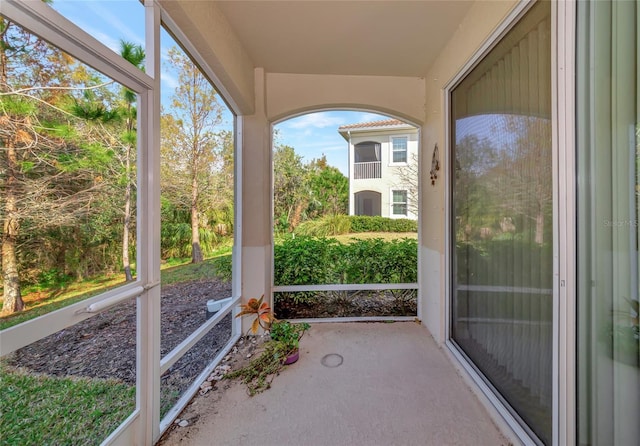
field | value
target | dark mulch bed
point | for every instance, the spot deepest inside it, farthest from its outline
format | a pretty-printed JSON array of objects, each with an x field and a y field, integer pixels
[
  {"x": 329, "y": 304},
  {"x": 104, "y": 346}
]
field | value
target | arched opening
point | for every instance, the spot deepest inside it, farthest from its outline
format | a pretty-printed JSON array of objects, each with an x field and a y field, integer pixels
[{"x": 337, "y": 179}]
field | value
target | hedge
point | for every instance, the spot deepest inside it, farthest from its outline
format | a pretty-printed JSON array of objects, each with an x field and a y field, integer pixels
[
  {"x": 345, "y": 224},
  {"x": 313, "y": 261},
  {"x": 363, "y": 223}
]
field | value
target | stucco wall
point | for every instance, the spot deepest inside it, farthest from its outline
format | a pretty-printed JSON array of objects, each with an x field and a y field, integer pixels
[
  {"x": 292, "y": 94},
  {"x": 481, "y": 20}
]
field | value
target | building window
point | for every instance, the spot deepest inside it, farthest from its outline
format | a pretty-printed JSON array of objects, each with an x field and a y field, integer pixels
[
  {"x": 399, "y": 149},
  {"x": 399, "y": 204}
]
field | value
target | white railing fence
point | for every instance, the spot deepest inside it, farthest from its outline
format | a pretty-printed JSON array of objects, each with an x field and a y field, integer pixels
[{"x": 371, "y": 169}]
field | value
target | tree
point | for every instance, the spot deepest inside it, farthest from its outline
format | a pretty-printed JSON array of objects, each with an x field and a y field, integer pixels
[
  {"x": 408, "y": 179},
  {"x": 473, "y": 199},
  {"x": 189, "y": 141},
  {"x": 135, "y": 55},
  {"x": 17, "y": 137},
  {"x": 329, "y": 190},
  {"x": 522, "y": 177},
  {"x": 221, "y": 202},
  {"x": 290, "y": 187},
  {"x": 114, "y": 114},
  {"x": 48, "y": 173}
]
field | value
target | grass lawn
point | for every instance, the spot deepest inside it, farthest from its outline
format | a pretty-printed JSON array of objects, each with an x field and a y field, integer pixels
[
  {"x": 43, "y": 410},
  {"x": 38, "y": 303}
]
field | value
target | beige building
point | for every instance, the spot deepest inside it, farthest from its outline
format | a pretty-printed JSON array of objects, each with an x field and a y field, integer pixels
[
  {"x": 534, "y": 107},
  {"x": 383, "y": 168}
]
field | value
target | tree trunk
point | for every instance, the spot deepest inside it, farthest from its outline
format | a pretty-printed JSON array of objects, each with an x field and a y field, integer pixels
[
  {"x": 297, "y": 214},
  {"x": 540, "y": 227},
  {"x": 127, "y": 218},
  {"x": 12, "y": 298},
  {"x": 196, "y": 251}
]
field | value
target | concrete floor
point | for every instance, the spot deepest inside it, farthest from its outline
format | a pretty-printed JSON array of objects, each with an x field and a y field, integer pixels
[{"x": 393, "y": 387}]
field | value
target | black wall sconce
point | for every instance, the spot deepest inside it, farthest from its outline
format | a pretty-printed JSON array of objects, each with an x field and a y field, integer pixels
[{"x": 435, "y": 165}]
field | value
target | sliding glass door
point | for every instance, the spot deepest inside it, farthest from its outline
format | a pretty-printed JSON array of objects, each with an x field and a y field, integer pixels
[
  {"x": 502, "y": 225},
  {"x": 608, "y": 154}
]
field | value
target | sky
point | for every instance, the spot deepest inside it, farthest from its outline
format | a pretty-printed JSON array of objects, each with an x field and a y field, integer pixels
[
  {"x": 311, "y": 135},
  {"x": 316, "y": 134}
]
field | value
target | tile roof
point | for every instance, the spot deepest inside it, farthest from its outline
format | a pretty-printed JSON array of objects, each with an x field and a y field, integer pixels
[{"x": 373, "y": 124}]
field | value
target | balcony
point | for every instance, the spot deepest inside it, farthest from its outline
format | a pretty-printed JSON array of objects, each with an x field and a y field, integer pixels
[
  {"x": 393, "y": 386},
  {"x": 363, "y": 171}
]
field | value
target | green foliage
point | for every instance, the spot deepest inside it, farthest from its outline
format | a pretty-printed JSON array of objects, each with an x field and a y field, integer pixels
[
  {"x": 290, "y": 187},
  {"x": 326, "y": 226},
  {"x": 363, "y": 223},
  {"x": 37, "y": 409},
  {"x": 314, "y": 261},
  {"x": 305, "y": 191},
  {"x": 192, "y": 272},
  {"x": 15, "y": 105},
  {"x": 62, "y": 130},
  {"x": 288, "y": 334},
  {"x": 305, "y": 261},
  {"x": 224, "y": 267},
  {"x": 175, "y": 240},
  {"x": 379, "y": 261},
  {"x": 52, "y": 279},
  {"x": 259, "y": 373},
  {"x": 329, "y": 190}
]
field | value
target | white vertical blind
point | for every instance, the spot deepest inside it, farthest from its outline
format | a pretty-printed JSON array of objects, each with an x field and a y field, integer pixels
[{"x": 515, "y": 78}]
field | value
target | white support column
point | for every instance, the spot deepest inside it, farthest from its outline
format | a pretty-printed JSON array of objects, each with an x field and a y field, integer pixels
[
  {"x": 236, "y": 268},
  {"x": 256, "y": 189},
  {"x": 148, "y": 234}
]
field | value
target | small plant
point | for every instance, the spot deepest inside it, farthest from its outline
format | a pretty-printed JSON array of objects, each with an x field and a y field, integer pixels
[
  {"x": 261, "y": 310},
  {"x": 288, "y": 334},
  {"x": 284, "y": 341},
  {"x": 259, "y": 373}
]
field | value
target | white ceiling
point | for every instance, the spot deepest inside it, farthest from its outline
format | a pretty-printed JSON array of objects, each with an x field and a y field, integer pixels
[{"x": 381, "y": 38}]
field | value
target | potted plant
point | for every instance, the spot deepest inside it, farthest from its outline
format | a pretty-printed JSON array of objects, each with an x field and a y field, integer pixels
[
  {"x": 281, "y": 349},
  {"x": 289, "y": 335}
]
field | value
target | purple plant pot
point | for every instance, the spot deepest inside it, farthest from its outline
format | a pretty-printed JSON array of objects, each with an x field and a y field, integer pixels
[{"x": 293, "y": 357}]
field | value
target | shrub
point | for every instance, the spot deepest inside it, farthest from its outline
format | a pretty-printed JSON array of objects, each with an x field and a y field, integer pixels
[
  {"x": 175, "y": 240},
  {"x": 326, "y": 226},
  {"x": 224, "y": 267},
  {"x": 379, "y": 261},
  {"x": 313, "y": 261},
  {"x": 344, "y": 224},
  {"x": 363, "y": 223},
  {"x": 304, "y": 261}
]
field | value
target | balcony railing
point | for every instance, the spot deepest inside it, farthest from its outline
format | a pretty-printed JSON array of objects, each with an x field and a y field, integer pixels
[{"x": 371, "y": 169}]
